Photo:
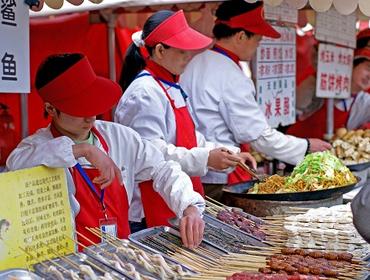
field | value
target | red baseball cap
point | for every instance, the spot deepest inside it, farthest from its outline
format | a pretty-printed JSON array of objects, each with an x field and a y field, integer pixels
[
  {"x": 362, "y": 53},
  {"x": 79, "y": 92},
  {"x": 252, "y": 21},
  {"x": 175, "y": 32},
  {"x": 364, "y": 34}
]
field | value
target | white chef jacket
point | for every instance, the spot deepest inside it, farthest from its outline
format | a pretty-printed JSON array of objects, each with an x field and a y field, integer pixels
[
  {"x": 360, "y": 110},
  {"x": 361, "y": 210},
  {"x": 137, "y": 159},
  {"x": 145, "y": 108},
  {"x": 225, "y": 110}
]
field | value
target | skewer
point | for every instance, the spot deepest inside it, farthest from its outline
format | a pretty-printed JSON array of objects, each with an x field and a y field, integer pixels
[{"x": 65, "y": 259}]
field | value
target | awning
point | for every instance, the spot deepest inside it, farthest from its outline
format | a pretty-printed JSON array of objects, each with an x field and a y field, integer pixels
[{"x": 344, "y": 7}]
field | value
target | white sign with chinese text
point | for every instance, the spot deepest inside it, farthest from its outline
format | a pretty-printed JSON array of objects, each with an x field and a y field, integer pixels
[
  {"x": 14, "y": 47},
  {"x": 334, "y": 71},
  {"x": 283, "y": 12},
  {"x": 275, "y": 77},
  {"x": 332, "y": 27}
]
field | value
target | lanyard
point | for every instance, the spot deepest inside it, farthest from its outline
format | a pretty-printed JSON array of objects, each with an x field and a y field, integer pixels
[
  {"x": 92, "y": 188},
  {"x": 177, "y": 86}
]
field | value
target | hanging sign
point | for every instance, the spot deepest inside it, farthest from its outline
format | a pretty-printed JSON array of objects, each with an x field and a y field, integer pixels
[
  {"x": 332, "y": 27},
  {"x": 275, "y": 77},
  {"x": 14, "y": 47},
  {"x": 34, "y": 211},
  {"x": 283, "y": 12},
  {"x": 334, "y": 71}
]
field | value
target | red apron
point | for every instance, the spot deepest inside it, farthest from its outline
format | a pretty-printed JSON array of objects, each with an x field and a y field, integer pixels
[
  {"x": 156, "y": 210},
  {"x": 113, "y": 198},
  {"x": 315, "y": 125},
  {"x": 238, "y": 175}
]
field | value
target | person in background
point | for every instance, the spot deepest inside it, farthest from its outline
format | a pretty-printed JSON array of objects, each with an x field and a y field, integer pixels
[
  {"x": 155, "y": 105},
  {"x": 351, "y": 113},
  {"x": 361, "y": 211},
  {"x": 222, "y": 97},
  {"x": 104, "y": 160}
]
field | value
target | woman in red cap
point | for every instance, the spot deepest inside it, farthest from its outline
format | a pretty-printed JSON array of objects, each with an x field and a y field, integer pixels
[
  {"x": 351, "y": 113},
  {"x": 155, "y": 105},
  {"x": 222, "y": 97},
  {"x": 105, "y": 160}
]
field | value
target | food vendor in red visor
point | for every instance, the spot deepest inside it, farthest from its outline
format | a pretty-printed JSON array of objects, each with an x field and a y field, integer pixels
[
  {"x": 105, "y": 160},
  {"x": 155, "y": 105},
  {"x": 351, "y": 113},
  {"x": 222, "y": 97}
]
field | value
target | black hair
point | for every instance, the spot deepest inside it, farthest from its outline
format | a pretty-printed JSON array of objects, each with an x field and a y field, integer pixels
[
  {"x": 358, "y": 61},
  {"x": 134, "y": 61},
  {"x": 362, "y": 42},
  {"x": 229, "y": 9},
  {"x": 53, "y": 66}
]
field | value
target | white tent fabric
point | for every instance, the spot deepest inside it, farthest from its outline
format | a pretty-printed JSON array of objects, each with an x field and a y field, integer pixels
[{"x": 53, "y": 7}]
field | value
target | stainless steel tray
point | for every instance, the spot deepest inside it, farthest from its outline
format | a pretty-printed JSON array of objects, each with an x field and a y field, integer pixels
[
  {"x": 139, "y": 238},
  {"x": 19, "y": 274},
  {"x": 102, "y": 248},
  {"x": 239, "y": 234},
  {"x": 79, "y": 260}
]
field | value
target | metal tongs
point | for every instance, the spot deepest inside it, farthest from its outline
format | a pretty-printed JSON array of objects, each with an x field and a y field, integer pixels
[{"x": 252, "y": 171}]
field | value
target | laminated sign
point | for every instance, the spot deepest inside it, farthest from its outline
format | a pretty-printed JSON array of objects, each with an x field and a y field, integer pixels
[
  {"x": 14, "y": 47},
  {"x": 275, "y": 77},
  {"x": 34, "y": 211},
  {"x": 334, "y": 71}
]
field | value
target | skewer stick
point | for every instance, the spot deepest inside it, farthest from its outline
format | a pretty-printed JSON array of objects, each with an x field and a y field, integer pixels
[
  {"x": 35, "y": 257},
  {"x": 82, "y": 245},
  {"x": 80, "y": 234},
  {"x": 65, "y": 259}
]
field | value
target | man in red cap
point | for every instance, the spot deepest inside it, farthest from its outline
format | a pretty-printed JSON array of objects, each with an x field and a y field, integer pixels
[
  {"x": 105, "y": 160},
  {"x": 223, "y": 97}
]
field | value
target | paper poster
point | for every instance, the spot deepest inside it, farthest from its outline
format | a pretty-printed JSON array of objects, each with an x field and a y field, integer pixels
[
  {"x": 14, "y": 47},
  {"x": 275, "y": 77},
  {"x": 34, "y": 210},
  {"x": 332, "y": 27},
  {"x": 334, "y": 71},
  {"x": 283, "y": 12}
]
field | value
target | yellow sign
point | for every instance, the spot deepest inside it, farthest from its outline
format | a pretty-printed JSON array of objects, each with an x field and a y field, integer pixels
[{"x": 34, "y": 211}]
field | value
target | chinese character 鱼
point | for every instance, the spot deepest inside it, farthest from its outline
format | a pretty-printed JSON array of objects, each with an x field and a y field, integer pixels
[
  {"x": 7, "y": 12},
  {"x": 9, "y": 67}
]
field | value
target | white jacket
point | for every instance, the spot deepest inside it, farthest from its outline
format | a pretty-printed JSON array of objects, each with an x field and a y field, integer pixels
[
  {"x": 224, "y": 108},
  {"x": 145, "y": 108},
  {"x": 137, "y": 159},
  {"x": 360, "y": 111}
]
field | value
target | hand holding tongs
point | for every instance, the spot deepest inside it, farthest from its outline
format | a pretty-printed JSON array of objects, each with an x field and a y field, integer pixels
[{"x": 252, "y": 171}]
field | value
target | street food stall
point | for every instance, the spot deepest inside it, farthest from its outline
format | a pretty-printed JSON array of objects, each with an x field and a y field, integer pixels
[{"x": 286, "y": 241}]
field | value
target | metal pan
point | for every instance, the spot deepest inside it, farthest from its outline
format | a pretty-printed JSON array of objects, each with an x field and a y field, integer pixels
[
  {"x": 137, "y": 238},
  {"x": 18, "y": 273},
  {"x": 240, "y": 190},
  {"x": 359, "y": 166},
  {"x": 78, "y": 260}
]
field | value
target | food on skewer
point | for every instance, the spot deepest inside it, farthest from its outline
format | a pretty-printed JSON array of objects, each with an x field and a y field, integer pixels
[
  {"x": 87, "y": 271},
  {"x": 318, "y": 171},
  {"x": 74, "y": 275},
  {"x": 262, "y": 276},
  {"x": 55, "y": 272}
]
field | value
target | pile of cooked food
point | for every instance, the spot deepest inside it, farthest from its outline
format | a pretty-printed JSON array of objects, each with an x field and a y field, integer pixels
[
  {"x": 352, "y": 147},
  {"x": 318, "y": 171}
]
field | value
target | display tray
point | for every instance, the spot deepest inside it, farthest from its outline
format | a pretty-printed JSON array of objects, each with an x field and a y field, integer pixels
[
  {"x": 359, "y": 166},
  {"x": 234, "y": 235},
  {"x": 103, "y": 252},
  {"x": 141, "y": 238},
  {"x": 19, "y": 274},
  {"x": 71, "y": 262},
  {"x": 240, "y": 190}
]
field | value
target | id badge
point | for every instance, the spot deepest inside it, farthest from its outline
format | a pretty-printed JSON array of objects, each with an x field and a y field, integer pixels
[{"x": 108, "y": 227}]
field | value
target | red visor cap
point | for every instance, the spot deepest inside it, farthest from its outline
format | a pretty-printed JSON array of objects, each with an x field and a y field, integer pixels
[
  {"x": 364, "y": 34},
  {"x": 252, "y": 21},
  {"x": 175, "y": 32},
  {"x": 362, "y": 53},
  {"x": 79, "y": 92}
]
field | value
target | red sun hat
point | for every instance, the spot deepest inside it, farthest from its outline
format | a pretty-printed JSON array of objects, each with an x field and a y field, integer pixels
[
  {"x": 252, "y": 21},
  {"x": 175, "y": 32},
  {"x": 79, "y": 92},
  {"x": 362, "y": 53}
]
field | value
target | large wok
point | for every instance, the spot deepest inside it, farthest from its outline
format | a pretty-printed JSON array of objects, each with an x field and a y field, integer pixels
[{"x": 240, "y": 190}]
